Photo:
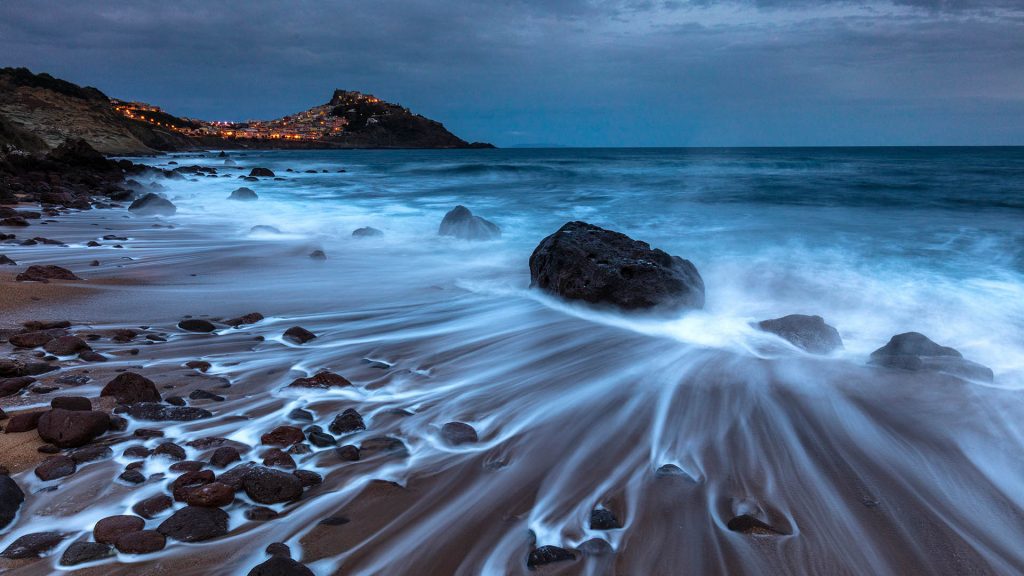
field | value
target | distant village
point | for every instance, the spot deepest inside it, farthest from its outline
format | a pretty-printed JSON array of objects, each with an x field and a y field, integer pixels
[{"x": 313, "y": 124}]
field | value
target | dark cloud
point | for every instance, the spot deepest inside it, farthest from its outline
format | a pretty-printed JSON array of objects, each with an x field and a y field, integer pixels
[{"x": 630, "y": 72}]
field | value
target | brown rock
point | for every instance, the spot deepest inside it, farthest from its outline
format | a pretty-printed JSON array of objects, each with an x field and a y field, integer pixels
[
  {"x": 283, "y": 436},
  {"x": 129, "y": 388},
  {"x": 214, "y": 494},
  {"x": 152, "y": 506},
  {"x": 276, "y": 457},
  {"x": 456, "y": 433},
  {"x": 23, "y": 422},
  {"x": 55, "y": 467},
  {"x": 35, "y": 339},
  {"x": 195, "y": 524},
  {"x": 323, "y": 380},
  {"x": 33, "y": 545},
  {"x": 269, "y": 486},
  {"x": 66, "y": 346},
  {"x": 45, "y": 273},
  {"x": 141, "y": 542},
  {"x": 70, "y": 429},
  {"x": 81, "y": 552},
  {"x": 182, "y": 484},
  {"x": 250, "y": 318},
  {"x": 224, "y": 455},
  {"x": 73, "y": 403},
  {"x": 109, "y": 529}
]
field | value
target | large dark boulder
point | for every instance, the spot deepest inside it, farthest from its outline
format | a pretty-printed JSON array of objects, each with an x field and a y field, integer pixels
[
  {"x": 244, "y": 194},
  {"x": 153, "y": 205},
  {"x": 263, "y": 172},
  {"x": 280, "y": 566},
  {"x": 45, "y": 273},
  {"x": 915, "y": 351},
  {"x": 807, "y": 332},
  {"x": 155, "y": 412},
  {"x": 129, "y": 388},
  {"x": 195, "y": 524},
  {"x": 11, "y": 498},
  {"x": 461, "y": 223},
  {"x": 72, "y": 428},
  {"x": 584, "y": 262},
  {"x": 77, "y": 152},
  {"x": 269, "y": 486}
]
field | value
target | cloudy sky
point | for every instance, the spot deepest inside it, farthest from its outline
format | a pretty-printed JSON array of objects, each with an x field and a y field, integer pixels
[{"x": 563, "y": 72}]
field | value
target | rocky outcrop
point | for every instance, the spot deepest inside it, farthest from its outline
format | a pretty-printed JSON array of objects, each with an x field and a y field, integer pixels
[
  {"x": 915, "y": 351},
  {"x": 807, "y": 332},
  {"x": 588, "y": 263},
  {"x": 460, "y": 223}
]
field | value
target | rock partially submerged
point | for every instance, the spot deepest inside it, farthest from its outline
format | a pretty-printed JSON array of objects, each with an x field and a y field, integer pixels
[
  {"x": 585, "y": 262},
  {"x": 155, "y": 412},
  {"x": 810, "y": 333},
  {"x": 44, "y": 274},
  {"x": 243, "y": 194},
  {"x": 11, "y": 498},
  {"x": 195, "y": 524},
  {"x": 72, "y": 428},
  {"x": 129, "y": 388},
  {"x": 915, "y": 351},
  {"x": 153, "y": 205},
  {"x": 366, "y": 232},
  {"x": 462, "y": 224}
]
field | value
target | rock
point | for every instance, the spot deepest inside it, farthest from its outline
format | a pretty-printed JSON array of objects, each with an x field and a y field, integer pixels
[
  {"x": 260, "y": 514},
  {"x": 348, "y": 453},
  {"x": 243, "y": 194},
  {"x": 200, "y": 365},
  {"x": 264, "y": 229},
  {"x": 308, "y": 478},
  {"x": 323, "y": 380},
  {"x": 23, "y": 422},
  {"x": 74, "y": 403},
  {"x": 346, "y": 422},
  {"x": 318, "y": 255},
  {"x": 280, "y": 566},
  {"x": 201, "y": 394},
  {"x": 915, "y": 351},
  {"x": 66, "y": 346},
  {"x": 298, "y": 335},
  {"x": 55, "y": 467},
  {"x": 11, "y": 498},
  {"x": 189, "y": 480},
  {"x": 132, "y": 476},
  {"x": 154, "y": 412},
  {"x": 321, "y": 439},
  {"x": 456, "y": 433},
  {"x": 129, "y": 388},
  {"x": 153, "y": 205},
  {"x": 548, "y": 555},
  {"x": 366, "y": 232},
  {"x": 90, "y": 356},
  {"x": 250, "y": 318},
  {"x": 171, "y": 450},
  {"x": 11, "y": 386},
  {"x": 186, "y": 466},
  {"x": 72, "y": 428},
  {"x": 6, "y": 261},
  {"x": 82, "y": 552},
  {"x": 283, "y": 436},
  {"x": 261, "y": 172},
  {"x": 195, "y": 524},
  {"x": 236, "y": 475},
  {"x": 151, "y": 507},
  {"x": 747, "y": 524},
  {"x": 601, "y": 519},
  {"x": 301, "y": 415},
  {"x": 141, "y": 542},
  {"x": 91, "y": 454},
  {"x": 268, "y": 486},
  {"x": 279, "y": 458},
  {"x": 77, "y": 152},
  {"x": 214, "y": 494},
  {"x": 33, "y": 545},
  {"x": 196, "y": 325},
  {"x": 807, "y": 332},
  {"x": 584, "y": 262},
  {"x": 382, "y": 445},
  {"x": 462, "y": 224},
  {"x": 224, "y": 455},
  {"x": 45, "y": 273},
  {"x": 109, "y": 529},
  {"x": 34, "y": 339}
]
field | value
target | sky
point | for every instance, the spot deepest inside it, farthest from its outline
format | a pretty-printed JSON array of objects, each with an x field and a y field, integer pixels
[{"x": 562, "y": 72}]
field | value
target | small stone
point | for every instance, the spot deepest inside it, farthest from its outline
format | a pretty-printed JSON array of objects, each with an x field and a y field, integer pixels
[
  {"x": 323, "y": 380},
  {"x": 33, "y": 545},
  {"x": 260, "y": 514},
  {"x": 109, "y": 529},
  {"x": 280, "y": 566},
  {"x": 456, "y": 433},
  {"x": 318, "y": 255},
  {"x": 224, "y": 455},
  {"x": 66, "y": 346},
  {"x": 151, "y": 507},
  {"x": 186, "y": 466},
  {"x": 132, "y": 476},
  {"x": 348, "y": 421},
  {"x": 91, "y": 454},
  {"x": 308, "y": 478},
  {"x": 348, "y": 453},
  {"x": 81, "y": 552},
  {"x": 200, "y": 365},
  {"x": 152, "y": 411},
  {"x": 747, "y": 524},
  {"x": 195, "y": 524},
  {"x": 196, "y": 325},
  {"x": 250, "y": 318},
  {"x": 142, "y": 542},
  {"x": 298, "y": 335},
  {"x": 283, "y": 436},
  {"x": 171, "y": 450},
  {"x": 300, "y": 414},
  {"x": 602, "y": 519},
  {"x": 213, "y": 494},
  {"x": 189, "y": 480},
  {"x": 279, "y": 458},
  {"x": 55, "y": 467},
  {"x": 269, "y": 486},
  {"x": 548, "y": 555}
]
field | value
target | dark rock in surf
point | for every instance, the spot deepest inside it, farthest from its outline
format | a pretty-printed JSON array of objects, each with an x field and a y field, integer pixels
[
  {"x": 74, "y": 403},
  {"x": 129, "y": 388},
  {"x": 268, "y": 486},
  {"x": 348, "y": 421},
  {"x": 201, "y": 394},
  {"x": 34, "y": 545},
  {"x": 366, "y": 232},
  {"x": 602, "y": 519},
  {"x": 82, "y": 552},
  {"x": 141, "y": 542},
  {"x": 109, "y": 529},
  {"x": 152, "y": 507},
  {"x": 347, "y": 453},
  {"x": 283, "y": 436},
  {"x": 170, "y": 450},
  {"x": 11, "y": 498},
  {"x": 196, "y": 325},
  {"x": 153, "y": 205},
  {"x": 318, "y": 255},
  {"x": 195, "y": 524},
  {"x": 243, "y": 194},
  {"x": 456, "y": 433},
  {"x": 279, "y": 458},
  {"x": 809, "y": 333},
  {"x": 11, "y": 386},
  {"x": 915, "y": 351},
  {"x": 91, "y": 454},
  {"x": 280, "y": 566},
  {"x": 261, "y": 172},
  {"x": 584, "y": 262},
  {"x": 250, "y": 318},
  {"x": 214, "y": 494},
  {"x": 45, "y": 273},
  {"x": 190, "y": 480},
  {"x": 224, "y": 455},
  {"x": 308, "y": 478},
  {"x": 72, "y": 428},
  {"x": 23, "y": 422},
  {"x": 264, "y": 229},
  {"x": 55, "y": 467},
  {"x": 36, "y": 338},
  {"x": 322, "y": 380},
  {"x": 66, "y": 346},
  {"x": 6, "y": 261},
  {"x": 461, "y": 223},
  {"x": 747, "y": 524},
  {"x": 298, "y": 335},
  {"x": 321, "y": 439},
  {"x": 151, "y": 411},
  {"x": 548, "y": 555}
]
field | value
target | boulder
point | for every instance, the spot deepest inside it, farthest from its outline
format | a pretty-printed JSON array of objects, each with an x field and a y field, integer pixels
[
  {"x": 584, "y": 262},
  {"x": 456, "y": 433},
  {"x": 109, "y": 529},
  {"x": 36, "y": 338},
  {"x": 66, "y": 346},
  {"x": 323, "y": 380},
  {"x": 154, "y": 412},
  {"x": 151, "y": 507},
  {"x": 250, "y": 318},
  {"x": 298, "y": 335},
  {"x": 261, "y": 172},
  {"x": 462, "y": 224},
  {"x": 807, "y": 332},
  {"x": 283, "y": 436},
  {"x": 280, "y": 566},
  {"x": 11, "y": 386},
  {"x": 348, "y": 421},
  {"x": 81, "y": 552},
  {"x": 55, "y": 467},
  {"x": 153, "y": 205},
  {"x": 366, "y": 232},
  {"x": 44, "y": 274},
  {"x": 80, "y": 403},
  {"x": 243, "y": 194},
  {"x": 11, "y": 498},
  {"x": 195, "y": 524},
  {"x": 268, "y": 486},
  {"x": 915, "y": 351},
  {"x": 196, "y": 325},
  {"x": 33, "y": 545},
  {"x": 129, "y": 388},
  {"x": 72, "y": 428}
]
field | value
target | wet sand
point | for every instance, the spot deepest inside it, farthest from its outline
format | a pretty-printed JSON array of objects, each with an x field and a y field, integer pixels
[{"x": 856, "y": 469}]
